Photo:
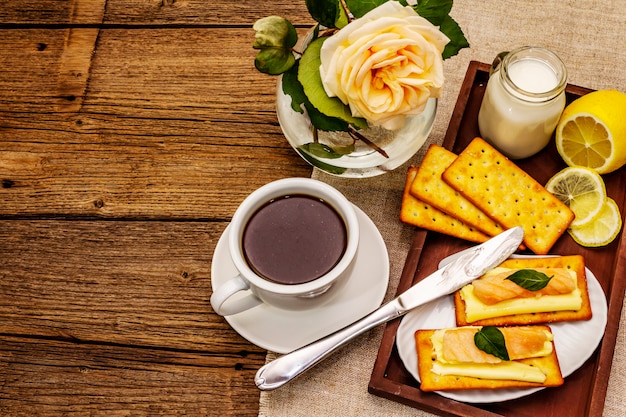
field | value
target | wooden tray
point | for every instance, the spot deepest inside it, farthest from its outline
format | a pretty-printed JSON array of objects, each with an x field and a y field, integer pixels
[{"x": 584, "y": 391}]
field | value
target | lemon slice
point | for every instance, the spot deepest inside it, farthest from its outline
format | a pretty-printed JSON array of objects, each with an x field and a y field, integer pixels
[
  {"x": 591, "y": 131},
  {"x": 581, "y": 189},
  {"x": 602, "y": 229}
]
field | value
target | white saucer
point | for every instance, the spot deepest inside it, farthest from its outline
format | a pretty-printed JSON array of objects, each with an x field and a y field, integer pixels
[{"x": 282, "y": 331}]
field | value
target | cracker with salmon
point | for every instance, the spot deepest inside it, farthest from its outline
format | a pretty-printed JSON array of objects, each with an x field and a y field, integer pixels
[
  {"x": 449, "y": 360},
  {"x": 508, "y": 195},
  {"x": 495, "y": 299}
]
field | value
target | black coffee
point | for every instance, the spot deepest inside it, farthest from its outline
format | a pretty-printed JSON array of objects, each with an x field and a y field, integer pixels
[{"x": 294, "y": 239}]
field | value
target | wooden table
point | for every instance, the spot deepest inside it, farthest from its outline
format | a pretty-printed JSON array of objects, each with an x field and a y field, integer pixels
[{"x": 129, "y": 133}]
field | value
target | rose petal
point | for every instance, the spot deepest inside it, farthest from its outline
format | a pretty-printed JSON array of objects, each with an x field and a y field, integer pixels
[{"x": 385, "y": 65}]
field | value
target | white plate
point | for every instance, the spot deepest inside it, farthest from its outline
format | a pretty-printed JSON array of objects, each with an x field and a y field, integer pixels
[
  {"x": 574, "y": 341},
  {"x": 283, "y": 331}
]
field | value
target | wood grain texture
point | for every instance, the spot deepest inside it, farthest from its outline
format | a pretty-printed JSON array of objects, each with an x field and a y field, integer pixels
[
  {"x": 93, "y": 310},
  {"x": 150, "y": 12},
  {"x": 182, "y": 144},
  {"x": 129, "y": 133},
  {"x": 41, "y": 377}
]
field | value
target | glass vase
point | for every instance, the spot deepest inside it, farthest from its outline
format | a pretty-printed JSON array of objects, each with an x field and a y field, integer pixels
[{"x": 369, "y": 152}]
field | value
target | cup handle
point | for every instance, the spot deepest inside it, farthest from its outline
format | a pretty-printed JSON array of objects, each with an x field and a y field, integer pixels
[
  {"x": 495, "y": 65},
  {"x": 228, "y": 289}
]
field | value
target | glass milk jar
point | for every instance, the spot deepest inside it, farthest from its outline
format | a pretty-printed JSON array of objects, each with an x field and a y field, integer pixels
[{"x": 524, "y": 99}]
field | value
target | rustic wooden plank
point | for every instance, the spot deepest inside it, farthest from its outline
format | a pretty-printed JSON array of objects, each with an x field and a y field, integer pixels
[
  {"x": 156, "y": 134},
  {"x": 138, "y": 72},
  {"x": 207, "y": 182},
  {"x": 113, "y": 318},
  {"x": 150, "y": 12},
  {"x": 87, "y": 11},
  {"x": 78, "y": 48},
  {"x": 245, "y": 12},
  {"x": 124, "y": 115},
  {"x": 57, "y": 378},
  {"x": 129, "y": 283}
]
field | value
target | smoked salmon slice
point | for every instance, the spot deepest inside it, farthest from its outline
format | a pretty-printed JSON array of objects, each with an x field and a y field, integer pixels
[
  {"x": 492, "y": 289},
  {"x": 521, "y": 343}
]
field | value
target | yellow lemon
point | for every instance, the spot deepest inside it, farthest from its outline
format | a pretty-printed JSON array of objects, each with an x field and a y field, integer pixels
[
  {"x": 602, "y": 229},
  {"x": 592, "y": 131},
  {"x": 581, "y": 189}
]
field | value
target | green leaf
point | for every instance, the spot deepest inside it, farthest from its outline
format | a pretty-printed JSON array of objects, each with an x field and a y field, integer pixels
[
  {"x": 274, "y": 38},
  {"x": 530, "y": 279},
  {"x": 320, "y": 150},
  {"x": 359, "y": 8},
  {"x": 324, "y": 151},
  {"x": 490, "y": 339},
  {"x": 435, "y": 11},
  {"x": 293, "y": 88},
  {"x": 316, "y": 162},
  {"x": 452, "y": 30},
  {"x": 310, "y": 78},
  {"x": 273, "y": 61},
  {"x": 328, "y": 13},
  {"x": 323, "y": 122}
]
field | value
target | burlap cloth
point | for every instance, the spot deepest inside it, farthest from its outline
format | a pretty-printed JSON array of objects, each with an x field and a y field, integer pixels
[{"x": 590, "y": 37}]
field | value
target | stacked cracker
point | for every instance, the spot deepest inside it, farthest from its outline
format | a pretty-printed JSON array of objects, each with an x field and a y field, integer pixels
[
  {"x": 475, "y": 196},
  {"x": 480, "y": 193}
]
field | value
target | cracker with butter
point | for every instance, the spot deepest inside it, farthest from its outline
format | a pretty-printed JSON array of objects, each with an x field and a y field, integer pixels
[
  {"x": 452, "y": 359},
  {"x": 430, "y": 188},
  {"x": 505, "y": 296},
  {"x": 508, "y": 195},
  {"x": 418, "y": 213}
]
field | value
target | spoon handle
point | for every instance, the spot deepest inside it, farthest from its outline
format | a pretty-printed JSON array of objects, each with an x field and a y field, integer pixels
[{"x": 283, "y": 369}]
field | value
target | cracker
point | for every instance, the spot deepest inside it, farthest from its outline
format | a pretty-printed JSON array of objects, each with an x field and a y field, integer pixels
[
  {"x": 420, "y": 214},
  {"x": 430, "y": 188},
  {"x": 434, "y": 382},
  {"x": 575, "y": 263},
  {"x": 509, "y": 195}
]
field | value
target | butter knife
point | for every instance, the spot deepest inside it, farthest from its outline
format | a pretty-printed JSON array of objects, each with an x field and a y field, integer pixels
[{"x": 471, "y": 264}]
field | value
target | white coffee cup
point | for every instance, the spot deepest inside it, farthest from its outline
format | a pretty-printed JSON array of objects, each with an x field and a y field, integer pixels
[{"x": 249, "y": 289}]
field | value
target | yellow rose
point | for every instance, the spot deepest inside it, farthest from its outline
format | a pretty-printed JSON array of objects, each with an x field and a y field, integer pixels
[{"x": 385, "y": 65}]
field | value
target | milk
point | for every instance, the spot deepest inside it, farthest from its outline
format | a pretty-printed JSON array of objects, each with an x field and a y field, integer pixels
[{"x": 523, "y": 101}]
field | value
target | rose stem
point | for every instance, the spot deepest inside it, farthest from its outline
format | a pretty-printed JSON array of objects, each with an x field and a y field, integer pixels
[{"x": 355, "y": 134}]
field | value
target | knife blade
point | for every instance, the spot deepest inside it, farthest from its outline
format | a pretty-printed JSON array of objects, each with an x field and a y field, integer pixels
[{"x": 471, "y": 264}]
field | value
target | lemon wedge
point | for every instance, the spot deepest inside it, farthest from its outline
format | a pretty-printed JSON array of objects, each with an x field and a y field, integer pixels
[
  {"x": 581, "y": 189},
  {"x": 602, "y": 229},
  {"x": 592, "y": 131}
]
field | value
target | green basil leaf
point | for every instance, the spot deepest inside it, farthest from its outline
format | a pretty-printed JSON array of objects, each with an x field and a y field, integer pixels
[
  {"x": 490, "y": 339},
  {"x": 530, "y": 279}
]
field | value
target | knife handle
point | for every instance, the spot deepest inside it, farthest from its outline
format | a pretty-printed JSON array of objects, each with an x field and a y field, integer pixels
[{"x": 283, "y": 369}]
